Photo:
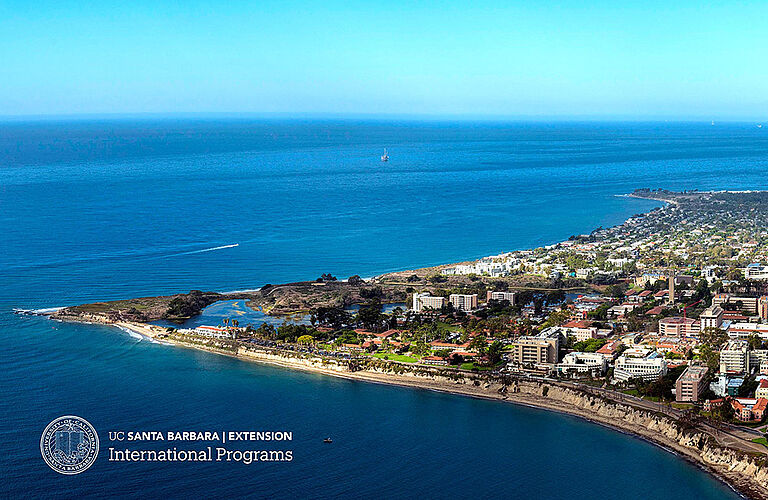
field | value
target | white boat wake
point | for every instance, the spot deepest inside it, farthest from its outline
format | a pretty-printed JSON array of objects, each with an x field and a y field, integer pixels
[{"x": 212, "y": 249}]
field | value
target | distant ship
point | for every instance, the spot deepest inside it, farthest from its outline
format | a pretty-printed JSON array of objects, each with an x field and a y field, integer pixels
[
  {"x": 759, "y": 125},
  {"x": 385, "y": 156}
]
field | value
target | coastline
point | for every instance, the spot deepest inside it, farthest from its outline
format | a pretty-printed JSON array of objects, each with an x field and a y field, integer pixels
[
  {"x": 743, "y": 475},
  {"x": 656, "y": 429}
]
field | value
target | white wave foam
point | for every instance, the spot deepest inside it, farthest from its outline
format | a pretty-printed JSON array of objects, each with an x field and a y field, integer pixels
[
  {"x": 130, "y": 332},
  {"x": 37, "y": 312}
]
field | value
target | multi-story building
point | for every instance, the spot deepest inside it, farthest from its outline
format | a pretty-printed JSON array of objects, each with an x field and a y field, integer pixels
[
  {"x": 691, "y": 384},
  {"x": 650, "y": 367},
  {"x": 711, "y": 317},
  {"x": 539, "y": 349},
  {"x": 580, "y": 363},
  {"x": 742, "y": 330},
  {"x": 734, "y": 357},
  {"x": 756, "y": 272},
  {"x": 678, "y": 327},
  {"x": 762, "y": 308},
  {"x": 508, "y": 296},
  {"x": 422, "y": 301},
  {"x": 580, "y": 330},
  {"x": 463, "y": 302},
  {"x": 746, "y": 304},
  {"x": 762, "y": 389}
]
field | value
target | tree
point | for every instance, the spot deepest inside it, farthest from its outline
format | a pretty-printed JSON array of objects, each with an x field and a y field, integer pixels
[
  {"x": 479, "y": 344},
  {"x": 334, "y": 317},
  {"x": 714, "y": 337},
  {"x": 370, "y": 316},
  {"x": 495, "y": 351},
  {"x": 355, "y": 280},
  {"x": 305, "y": 339},
  {"x": 266, "y": 331}
]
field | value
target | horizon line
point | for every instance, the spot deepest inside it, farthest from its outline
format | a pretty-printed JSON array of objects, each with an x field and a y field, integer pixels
[{"x": 341, "y": 116}]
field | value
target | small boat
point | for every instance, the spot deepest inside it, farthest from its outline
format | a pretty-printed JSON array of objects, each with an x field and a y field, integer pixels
[
  {"x": 385, "y": 156},
  {"x": 327, "y": 440}
]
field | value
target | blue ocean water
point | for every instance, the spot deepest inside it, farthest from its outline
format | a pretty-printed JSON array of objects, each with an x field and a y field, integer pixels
[{"x": 94, "y": 210}]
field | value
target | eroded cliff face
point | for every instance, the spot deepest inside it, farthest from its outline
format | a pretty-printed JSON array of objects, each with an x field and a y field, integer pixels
[
  {"x": 660, "y": 428},
  {"x": 747, "y": 472}
]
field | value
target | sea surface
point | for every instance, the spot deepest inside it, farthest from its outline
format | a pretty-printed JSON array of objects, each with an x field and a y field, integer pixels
[{"x": 105, "y": 209}]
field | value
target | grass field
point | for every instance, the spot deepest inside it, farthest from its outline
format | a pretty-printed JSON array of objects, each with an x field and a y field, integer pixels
[
  {"x": 470, "y": 366},
  {"x": 395, "y": 357},
  {"x": 761, "y": 441}
]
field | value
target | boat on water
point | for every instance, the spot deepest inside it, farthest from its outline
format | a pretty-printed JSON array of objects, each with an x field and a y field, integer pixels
[
  {"x": 385, "y": 156},
  {"x": 327, "y": 440}
]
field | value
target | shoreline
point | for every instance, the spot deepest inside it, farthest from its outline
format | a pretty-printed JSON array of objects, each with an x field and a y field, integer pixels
[
  {"x": 734, "y": 480},
  {"x": 736, "y": 477}
]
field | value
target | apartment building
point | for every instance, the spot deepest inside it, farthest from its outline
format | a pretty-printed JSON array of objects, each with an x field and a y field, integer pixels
[
  {"x": 508, "y": 296},
  {"x": 422, "y": 301},
  {"x": 463, "y": 302}
]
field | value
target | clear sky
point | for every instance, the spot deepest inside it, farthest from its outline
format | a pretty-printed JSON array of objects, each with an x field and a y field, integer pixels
[{"x": 673, "y": 59}]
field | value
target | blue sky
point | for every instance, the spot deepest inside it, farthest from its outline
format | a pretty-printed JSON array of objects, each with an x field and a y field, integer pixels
[{"x": 671, "y": 59}]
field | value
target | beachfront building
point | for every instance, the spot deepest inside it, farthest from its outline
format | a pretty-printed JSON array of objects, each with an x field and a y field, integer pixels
[
  {"x": 649, "y": 368},
  {"x": 734, "y": 357},
  {"x": 676, "y": 326},
  {"x": 712, "y": 317},
  {"x": 422, "y": 301},
  {"x": 690, "y": 386},
  {"x": 463, "y": 302},
  {"x": 216, "y": 332},
  {"x": 756, "y": 272},
  {"x": 582, "y": 363},
  {"x": 543, "y": 348},
  {"x": 508, "y": 296}
]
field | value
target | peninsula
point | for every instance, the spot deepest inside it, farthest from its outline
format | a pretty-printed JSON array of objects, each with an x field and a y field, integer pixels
[{"x": 657, "y": 327}]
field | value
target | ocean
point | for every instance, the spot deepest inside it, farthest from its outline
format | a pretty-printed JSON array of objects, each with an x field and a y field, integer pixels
[{"x": 117, "y": 208}]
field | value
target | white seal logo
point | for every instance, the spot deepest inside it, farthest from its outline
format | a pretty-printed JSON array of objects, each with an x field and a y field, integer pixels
[{"x": 69, "y": 445}]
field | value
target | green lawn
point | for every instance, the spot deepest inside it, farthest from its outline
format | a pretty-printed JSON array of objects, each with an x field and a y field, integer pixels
[
  {"x": 395, "y": 357},
  {"x": 761, "y": 441},
  {"x": 470, "y": 366},
  {"x": 445, "y": 326}
]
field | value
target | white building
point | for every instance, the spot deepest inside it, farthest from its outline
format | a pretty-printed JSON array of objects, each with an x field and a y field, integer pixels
[
  {"x": 508, "y": 296},
  {"x": 463, "y": 302},
  {"x": 745, "y": 330},
  {"x": 422, "y": 301},
  {"x": 580, "y": 363},
  {"x": 216, "y": 332},
  {"x": 734, "y": 357},
  {"x": 756, "y": 272},
  {"x": 712, "y": 317},
  {"x": 650, "y": 367}
]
